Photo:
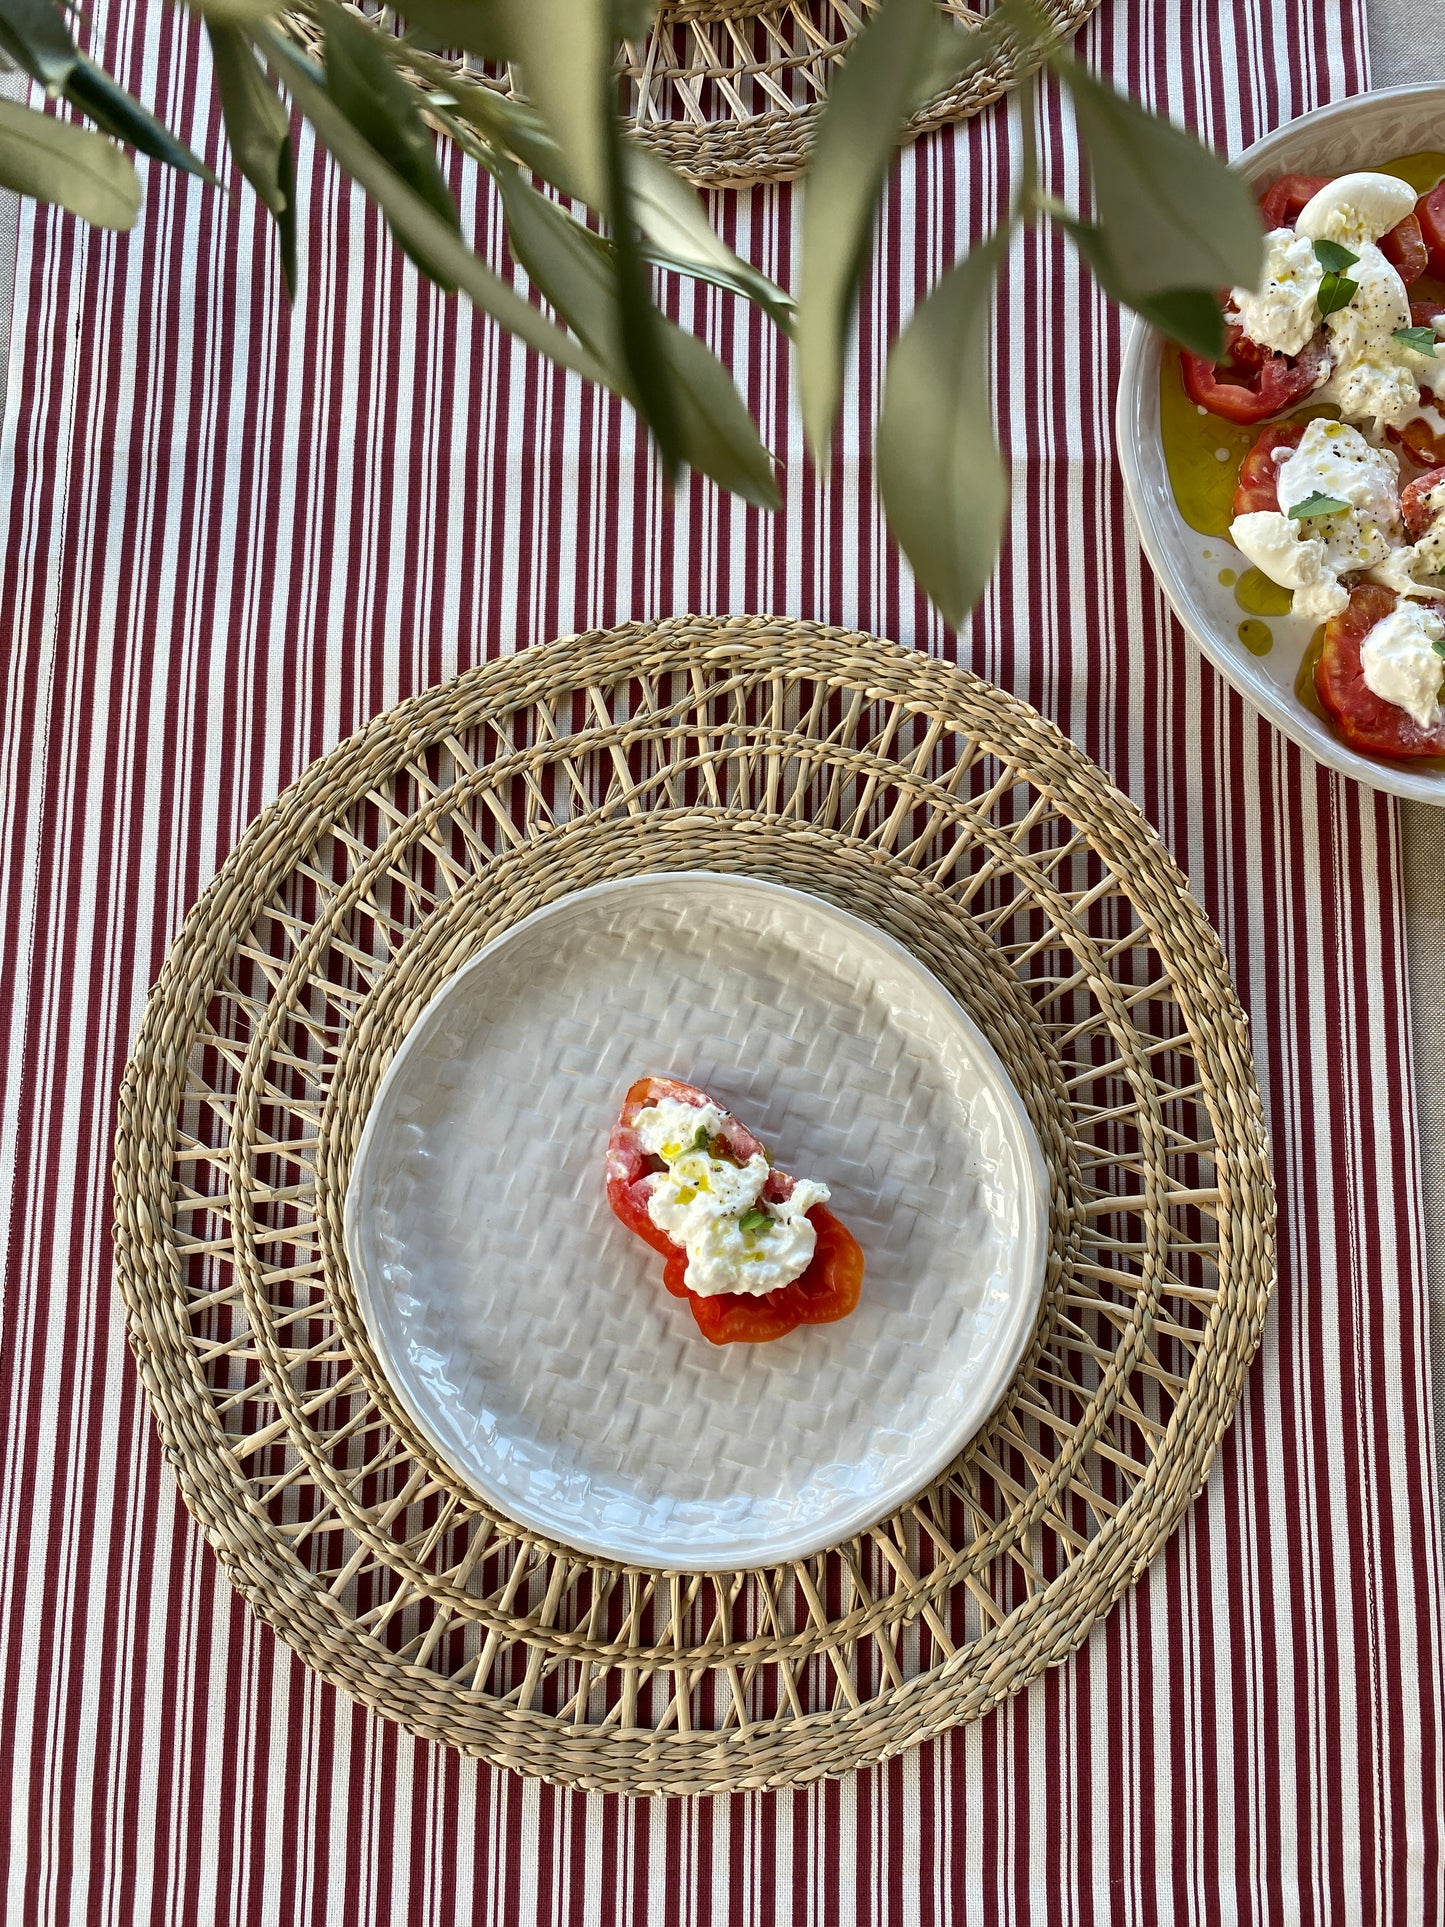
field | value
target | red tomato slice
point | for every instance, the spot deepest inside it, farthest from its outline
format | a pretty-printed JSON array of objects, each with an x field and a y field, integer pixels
[
  {"x": 1282, "y": 204},
  {"x": 1430, "y": 213},
  {"x": 1404, "y": 248},
  {"x": 1253, "y": 393},
  {"x": 827, "y": 1290},
  {"x": 1259, "y": 471},
  {"x": 1359, "y": 716},
  {"x": 1414, "y": 508}
]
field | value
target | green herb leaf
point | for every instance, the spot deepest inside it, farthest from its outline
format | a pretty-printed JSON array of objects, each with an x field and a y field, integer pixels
[
  {"x": 74, "y": 167},
  {"x": 258, "y": 128},
  {"x": 702, "y": 1140},
  {"x": 576, "y": 270},
  {"x": 410, "y": 215},
  {"x": 1173, "y": 215},
  {"x": 1333, "y": 258},
  {"x": 1190, "y": 316},
  {"x": 33, "y": 33},
  {"x": 940, "y": 474},
  {"x": 372, "y": 95},
  {"x": 1424, "y": 341},
  {"x": 1335, "y": 293},
  {"x": 470, "y": 26},
  {"x": 1317, "y": 504},
  {"x": 1438, "y": 645},
  {"x": 757, "y": 1219},
  {"x": 113, "y": 109},
  {"x": 871, "y": 98}
]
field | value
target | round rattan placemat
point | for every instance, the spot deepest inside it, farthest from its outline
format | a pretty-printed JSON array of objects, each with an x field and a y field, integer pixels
[
  {"x": 907, "y": 791},
  {"x": 729, "y": 91}
]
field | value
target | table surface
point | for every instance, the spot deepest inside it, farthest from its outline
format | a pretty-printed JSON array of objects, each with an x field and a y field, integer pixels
[{"x": 1275, "y": 1673}]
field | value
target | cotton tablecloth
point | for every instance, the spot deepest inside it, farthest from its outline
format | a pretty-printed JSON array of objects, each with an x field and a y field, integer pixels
[{"x": 232, "y": 534}]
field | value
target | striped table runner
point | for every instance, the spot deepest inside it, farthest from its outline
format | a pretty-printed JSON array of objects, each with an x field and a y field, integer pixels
[{"x": 232, "y": 535}]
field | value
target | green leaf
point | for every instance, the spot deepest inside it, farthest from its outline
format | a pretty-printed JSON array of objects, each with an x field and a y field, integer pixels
[
  {"x": 1019, "y": 28},
  {"x": 34, "y": 34},
  {"x": 940, "y": 474},
  {"x": 677, "y": 234},
  {"x": 1333, "y": 258},
  {"x": 410, "y": 215},
  {"x": 112, "y": 108},
  {"x": 1317, "y": 504},
  {"x": 382, "y": 108},
  {"x": 474, "y": 26},
  {"x": 1190, "y": 316},
  {"x": 871, "y": 98},
  {"x": 1424, "y": 341},
  {"x": 258, "y": 128},
  {"x": 74, "y": 167},
  {"x": 635, "y": 17},
  {"x": 756, "y": 1219},
  {"x": 564, "y": 49},
  {"x": 1335, "y": 293},
  {"x": 1173, "y": 215},
  {"x": 576, "y": 270}
]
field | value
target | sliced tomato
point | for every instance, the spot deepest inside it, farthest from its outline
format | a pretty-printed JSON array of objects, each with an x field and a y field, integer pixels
[
  {"x": 1253, "y": 392},
  {"x": 1430, "y": 213},
  {"x": 1417, "y": 440},
  {"x": 1282, "y": 204},
  {"x": 1415, "y": 507},
  {"x": 827, "y": 1290},
  {"x": 1404, "y": 248},
  {"x": 1361, "y": 719},
  {"x": 1258, "y": 486}
]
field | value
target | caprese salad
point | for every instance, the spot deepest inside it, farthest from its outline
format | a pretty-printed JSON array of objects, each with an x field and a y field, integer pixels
[
  {"x": 1343, "y": 506},
  {"x": 754, "y": 1252}
]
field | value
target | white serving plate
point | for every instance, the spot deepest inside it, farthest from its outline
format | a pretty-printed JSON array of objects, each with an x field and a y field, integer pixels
[
  {"x": 1331, "y": 140},
  {"x": 528, "y": 1332}
]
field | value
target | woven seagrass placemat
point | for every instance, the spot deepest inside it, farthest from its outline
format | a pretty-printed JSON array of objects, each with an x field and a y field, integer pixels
[
  {"x": 729, "y": 91},
  {"x": 911, "y": 793}
]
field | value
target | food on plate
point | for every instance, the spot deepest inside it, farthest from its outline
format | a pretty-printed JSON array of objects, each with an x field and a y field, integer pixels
[
  {"x": 1339, "y": 501},
  {"x": 754, "y": 1251}
]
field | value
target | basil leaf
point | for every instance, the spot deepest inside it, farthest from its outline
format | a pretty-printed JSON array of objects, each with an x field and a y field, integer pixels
[
  {"x": 1424, "y": 341},
  {"x": 755, "y": 1220},
  {"x": 702, "y": 1140},
  {"x": 1438, "y": 645},
  {"x": 1333, "y": 258},
  {"x": 1317, "y": 504},
  {"x": 1336, "y": 293}
]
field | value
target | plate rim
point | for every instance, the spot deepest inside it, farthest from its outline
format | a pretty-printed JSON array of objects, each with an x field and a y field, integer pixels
[
  {"x": 742, "y": 1555},
  {"x": 1138, "y": 377}
]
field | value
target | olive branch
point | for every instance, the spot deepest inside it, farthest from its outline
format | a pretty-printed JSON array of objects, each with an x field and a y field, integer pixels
[{"x": 591, "y": 215}]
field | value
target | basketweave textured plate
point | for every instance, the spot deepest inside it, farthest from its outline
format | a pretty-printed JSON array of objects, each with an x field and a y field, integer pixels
[
  {"x": 528, "y": 1332},
  {"x": 946, "y": 814}
]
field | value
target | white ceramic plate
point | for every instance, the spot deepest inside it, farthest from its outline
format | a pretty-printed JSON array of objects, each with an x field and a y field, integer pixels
[
  {"x": 1332, "y": 140},
  {"x": 529, "y": 1333}
]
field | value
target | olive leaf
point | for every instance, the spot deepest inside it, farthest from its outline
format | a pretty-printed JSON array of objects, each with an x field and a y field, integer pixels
[
  {"x": 34, "y": 35},
  {"x": 111, "y": 108},
  {"x": 576, "y": 270},
  {"x": 383, "y": 109},
  {"x": 1190, "y": 316},
  {"x": 1172, "y": 215},
  {"x": 940, "y": 473},
  {"x": 871, "y": 99},
  {"x": 564, "y": 50},
  {"x": 473, "y": 26},
  {"x": 259, "y": 131},
  {"x": 677, "y": 234},
  {"x": 74, "y": 167},
  {"x": 413, "y": 217}
]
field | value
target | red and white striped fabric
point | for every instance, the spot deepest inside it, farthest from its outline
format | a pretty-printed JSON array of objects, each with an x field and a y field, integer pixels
[{"x": 232, "y": 535}]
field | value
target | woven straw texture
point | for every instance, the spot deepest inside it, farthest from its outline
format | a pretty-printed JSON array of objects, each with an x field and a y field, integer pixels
[
  {"x": 729, "y": 91},
  {"x": 903, "y": 789}
]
